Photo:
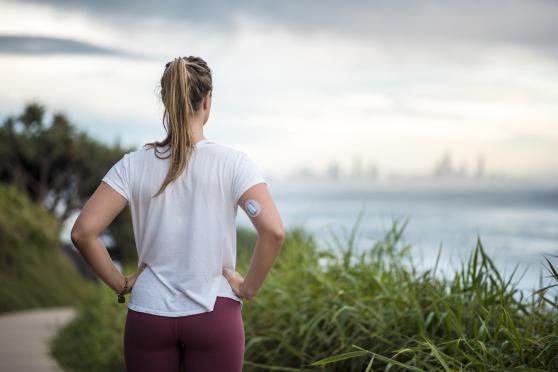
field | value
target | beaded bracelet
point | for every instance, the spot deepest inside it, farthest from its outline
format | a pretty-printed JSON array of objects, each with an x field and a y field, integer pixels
[{"x": 121, "y": 298}]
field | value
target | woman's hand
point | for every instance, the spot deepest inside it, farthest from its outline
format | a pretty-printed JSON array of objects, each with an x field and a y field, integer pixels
[
  {"x": 235, "y": 280},
  {"x": 132, "y": 278}
]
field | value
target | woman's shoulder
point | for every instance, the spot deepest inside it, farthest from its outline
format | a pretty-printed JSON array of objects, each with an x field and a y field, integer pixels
[{"x": 229, "y": 151}]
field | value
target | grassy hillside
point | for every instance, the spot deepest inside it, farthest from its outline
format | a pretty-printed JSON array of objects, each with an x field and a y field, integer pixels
[
  {"x": 357, "y": 311},
  {"x": 33, "y": 271},
  {"x": 93, "y": 340}
]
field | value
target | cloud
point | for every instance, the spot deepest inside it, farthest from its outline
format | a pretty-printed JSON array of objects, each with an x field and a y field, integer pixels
[
  {"x": 396, "y": 82},
  {"x": 42, "y": 45},
  {"x": 529, "y": 24}
]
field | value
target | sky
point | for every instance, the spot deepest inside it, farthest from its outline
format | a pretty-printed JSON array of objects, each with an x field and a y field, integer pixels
[{"x": 397, "y": 84}]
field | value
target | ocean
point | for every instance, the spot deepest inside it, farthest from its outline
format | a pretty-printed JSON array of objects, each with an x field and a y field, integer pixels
[{"x": 518, "y": 226}]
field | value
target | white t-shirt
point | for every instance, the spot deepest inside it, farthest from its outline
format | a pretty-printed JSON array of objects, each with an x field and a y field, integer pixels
[{"x": 187, "y": 234}]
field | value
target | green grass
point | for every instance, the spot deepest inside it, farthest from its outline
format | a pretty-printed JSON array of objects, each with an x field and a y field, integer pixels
[
  {"x": 93, "y": 340},
  {"x": 33, "y": 271},
  {"x": 360, "y": 311}
]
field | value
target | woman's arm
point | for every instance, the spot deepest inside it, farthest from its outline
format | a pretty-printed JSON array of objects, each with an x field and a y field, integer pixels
[
  {"x": 271, "y": 235},
  {"x": 95, "y": 216}
]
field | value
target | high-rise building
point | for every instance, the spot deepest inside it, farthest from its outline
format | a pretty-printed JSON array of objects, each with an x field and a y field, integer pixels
[
  {"x": 356, "y": 171},
  {"x": 480, "y": 167},
  {"x": 332, "y": 171},
  {"x": 444, "y": 168}
]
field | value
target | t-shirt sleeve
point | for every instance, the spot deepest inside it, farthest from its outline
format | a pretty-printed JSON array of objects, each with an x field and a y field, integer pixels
[
  {"x": 246, "y": 174},
  {"x": 118, "y": 177}
]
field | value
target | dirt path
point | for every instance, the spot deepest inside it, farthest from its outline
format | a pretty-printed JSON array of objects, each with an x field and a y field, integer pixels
[{"x": 24, "y": 337}]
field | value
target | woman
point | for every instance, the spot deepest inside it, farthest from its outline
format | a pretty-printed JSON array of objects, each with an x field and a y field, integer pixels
[{"x": 186, "y": 297}]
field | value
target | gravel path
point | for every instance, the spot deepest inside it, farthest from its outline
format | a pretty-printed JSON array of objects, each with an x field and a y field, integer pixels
[{"x": 24, "y": 337}]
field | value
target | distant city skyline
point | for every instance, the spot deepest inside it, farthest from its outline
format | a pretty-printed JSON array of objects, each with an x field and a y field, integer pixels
[{"x": 443, "y": 169}]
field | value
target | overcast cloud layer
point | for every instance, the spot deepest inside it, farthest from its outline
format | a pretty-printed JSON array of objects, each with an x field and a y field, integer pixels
[{"x": 305, "y": 83}]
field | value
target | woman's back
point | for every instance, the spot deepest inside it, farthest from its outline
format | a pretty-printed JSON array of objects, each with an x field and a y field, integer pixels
[
  {"x": 183, "y": 193},
  {"x": 187, "y": 234}
]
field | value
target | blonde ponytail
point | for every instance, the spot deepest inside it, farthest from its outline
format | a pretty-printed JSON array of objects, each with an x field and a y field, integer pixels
[{"x": 185, "y": 81}]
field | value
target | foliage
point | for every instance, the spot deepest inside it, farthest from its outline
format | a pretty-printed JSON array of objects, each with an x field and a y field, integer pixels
[
  {"x": 93, "y": 341},
  {"x": 349, "y": 310},
  {"x": 59, "y": 167},
  {"x": 33, "y": 271}
]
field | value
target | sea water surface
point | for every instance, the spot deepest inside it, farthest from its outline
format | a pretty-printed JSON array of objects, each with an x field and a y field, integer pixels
[{"x": 518, "y": 226}]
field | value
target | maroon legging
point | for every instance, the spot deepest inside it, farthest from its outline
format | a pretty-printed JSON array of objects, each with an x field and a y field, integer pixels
[{"x": 211, "y": 341}]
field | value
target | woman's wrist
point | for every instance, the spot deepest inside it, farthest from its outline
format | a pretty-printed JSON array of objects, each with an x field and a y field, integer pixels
[
  {"x": 122, "y": 285},
  {"x": 124, "y": 290}
]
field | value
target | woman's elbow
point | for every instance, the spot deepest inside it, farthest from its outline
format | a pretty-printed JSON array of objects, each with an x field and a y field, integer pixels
[
  {"x": 76, "y": 235},
  {"x": 275, "y": 235},
  {"x": 278, "y": 235},
  {"x": 281, "y": 235},
  {"x": 79, "y": 234}
]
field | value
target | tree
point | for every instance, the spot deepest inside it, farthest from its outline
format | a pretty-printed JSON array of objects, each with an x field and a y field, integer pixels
[{"x": 58, "y": 166}]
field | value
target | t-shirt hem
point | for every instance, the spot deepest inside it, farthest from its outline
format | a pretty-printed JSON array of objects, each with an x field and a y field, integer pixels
[{"x": 142, "y": 309}]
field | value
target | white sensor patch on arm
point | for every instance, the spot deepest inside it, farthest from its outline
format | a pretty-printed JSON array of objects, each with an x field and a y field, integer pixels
[{"x": 252, "y": 208}]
